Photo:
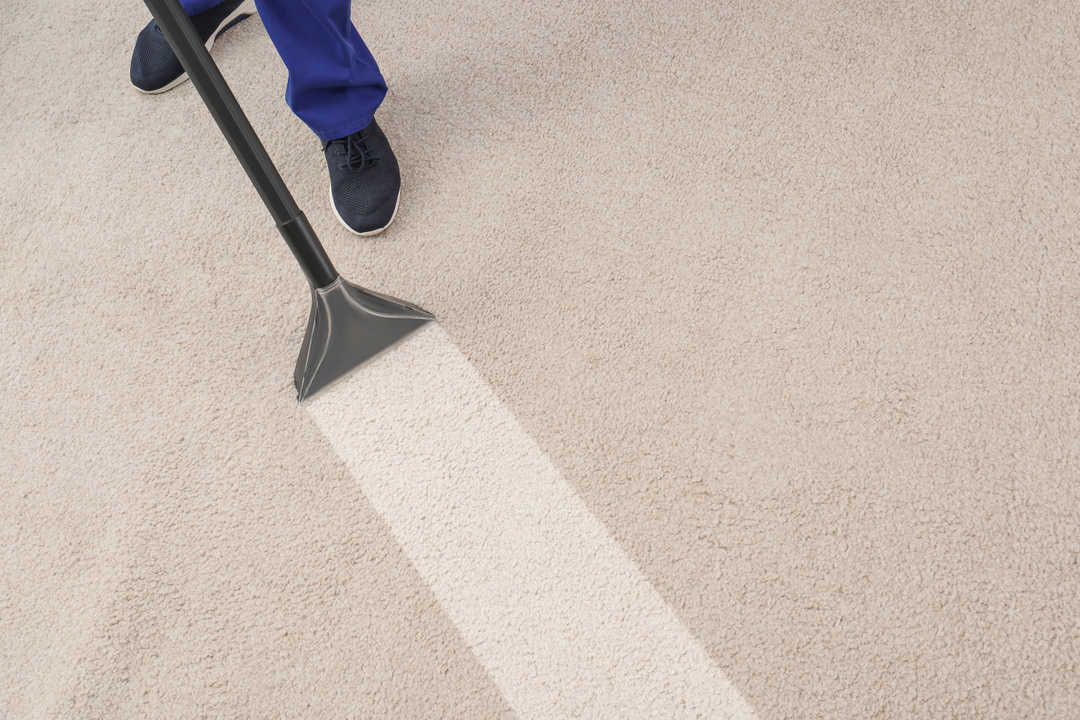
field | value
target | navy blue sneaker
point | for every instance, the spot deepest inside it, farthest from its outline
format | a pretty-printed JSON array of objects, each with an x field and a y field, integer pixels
[
  {"x": 154, "y": 67},
  {"x": 365, "y": 183}
]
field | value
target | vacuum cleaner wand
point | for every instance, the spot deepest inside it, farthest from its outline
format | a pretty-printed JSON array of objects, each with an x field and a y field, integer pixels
[{"x": 347, "y": 323}]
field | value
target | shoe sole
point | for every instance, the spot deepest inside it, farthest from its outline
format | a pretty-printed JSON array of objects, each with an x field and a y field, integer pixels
[
  {"x": 244, "y": 11},
  {"x": 367, "y": 233}
]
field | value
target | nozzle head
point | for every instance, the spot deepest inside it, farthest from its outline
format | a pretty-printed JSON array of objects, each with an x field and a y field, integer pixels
[{"x": 348, "y": 325}]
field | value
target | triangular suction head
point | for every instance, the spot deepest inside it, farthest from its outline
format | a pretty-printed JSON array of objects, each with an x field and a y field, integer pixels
[{"x": 347, "y": 326}]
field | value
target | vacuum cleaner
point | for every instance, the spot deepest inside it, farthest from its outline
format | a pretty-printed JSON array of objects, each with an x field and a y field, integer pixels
[{"x": 347, "y": 324}]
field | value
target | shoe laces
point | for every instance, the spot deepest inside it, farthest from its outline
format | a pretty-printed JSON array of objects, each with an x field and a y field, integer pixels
[{"x": 357, "y": 153}]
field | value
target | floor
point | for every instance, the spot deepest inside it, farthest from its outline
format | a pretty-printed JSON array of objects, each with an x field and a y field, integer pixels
[{"x": 755, "y": 391}]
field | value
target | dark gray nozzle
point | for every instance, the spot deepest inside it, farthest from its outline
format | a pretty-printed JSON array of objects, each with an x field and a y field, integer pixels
[{"x": 347, "y": 326}]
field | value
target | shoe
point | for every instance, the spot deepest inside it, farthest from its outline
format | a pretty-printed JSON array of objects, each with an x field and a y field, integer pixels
[
  {"x": 365, "y": 183},
  {"x": 154, "y": 67}
]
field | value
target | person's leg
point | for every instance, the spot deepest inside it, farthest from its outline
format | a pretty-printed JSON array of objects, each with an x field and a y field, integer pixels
[
  {"x": 194, "y": 7},
  {"x": 334, "y": 84},
  {"x": 335, "y": 87}
]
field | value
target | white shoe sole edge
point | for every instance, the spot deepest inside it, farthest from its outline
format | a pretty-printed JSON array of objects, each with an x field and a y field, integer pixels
[{"x": 246, "y": 8}]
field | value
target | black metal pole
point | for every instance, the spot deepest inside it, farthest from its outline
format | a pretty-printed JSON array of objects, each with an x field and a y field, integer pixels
[{"x": 204, "y": 74}]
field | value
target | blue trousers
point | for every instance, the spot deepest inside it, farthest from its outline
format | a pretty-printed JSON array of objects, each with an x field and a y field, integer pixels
[{"x": 334, "y": 84}]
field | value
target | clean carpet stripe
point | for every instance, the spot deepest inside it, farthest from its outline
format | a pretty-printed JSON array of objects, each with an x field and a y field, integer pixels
[{"x": 550, "y": 604}]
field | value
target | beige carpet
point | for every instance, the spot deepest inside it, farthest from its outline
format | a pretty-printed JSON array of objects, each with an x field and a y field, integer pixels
[{"x": 788, "y": 296}]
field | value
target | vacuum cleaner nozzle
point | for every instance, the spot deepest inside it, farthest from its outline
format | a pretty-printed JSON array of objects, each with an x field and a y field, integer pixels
[{"x": 348, "y": 325}]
